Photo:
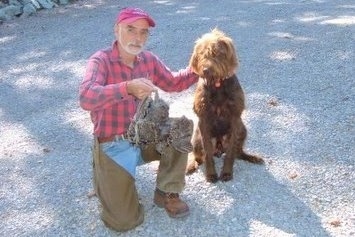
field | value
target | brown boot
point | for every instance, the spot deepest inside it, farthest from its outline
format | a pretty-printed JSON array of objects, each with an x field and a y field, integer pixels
[{"x": 173, "y": 205}]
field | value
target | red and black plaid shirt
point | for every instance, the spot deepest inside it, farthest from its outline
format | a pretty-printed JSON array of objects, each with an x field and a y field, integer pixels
[{"x": 103, "y": 90}]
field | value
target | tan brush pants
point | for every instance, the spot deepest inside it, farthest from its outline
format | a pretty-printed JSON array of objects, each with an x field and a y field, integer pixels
[{"x": 116, "y": 189}]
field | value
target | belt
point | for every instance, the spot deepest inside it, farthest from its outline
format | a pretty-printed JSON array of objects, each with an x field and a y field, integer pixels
[{"x": 112, "y": 138}]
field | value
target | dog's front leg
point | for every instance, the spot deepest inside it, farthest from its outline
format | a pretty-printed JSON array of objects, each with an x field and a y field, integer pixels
[
  {"x": 211, "y": 174},
  {"x": 234, "y": 148},
  {"x": 227, "y": 169}
]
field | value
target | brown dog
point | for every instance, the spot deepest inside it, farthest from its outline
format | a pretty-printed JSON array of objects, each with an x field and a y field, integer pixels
[{"x": 218, "y": 104}]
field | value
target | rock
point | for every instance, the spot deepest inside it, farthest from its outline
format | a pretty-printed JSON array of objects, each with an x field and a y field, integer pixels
[
  {"x": 46, "y": 4},
  {"x": 28, "y": 10},
  {"x": 9, "y": 12},
  {"x": 15, "y": 3},
  {"x": 10, "y": 9},
  {"x": 35, "y": 3}
]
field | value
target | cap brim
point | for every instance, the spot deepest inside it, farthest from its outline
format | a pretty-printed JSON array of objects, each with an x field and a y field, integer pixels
[{"x": 133, "y": 19}]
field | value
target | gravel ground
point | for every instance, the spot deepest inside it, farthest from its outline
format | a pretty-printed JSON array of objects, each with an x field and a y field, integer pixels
[{"x": 297, "y": 70}]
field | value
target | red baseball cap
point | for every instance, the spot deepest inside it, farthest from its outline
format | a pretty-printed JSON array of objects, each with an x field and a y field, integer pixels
[{"x": 129, "y": 15}]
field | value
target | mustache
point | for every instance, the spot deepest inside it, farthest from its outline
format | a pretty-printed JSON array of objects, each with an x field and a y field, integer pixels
[{"x": 137, "y": 45}]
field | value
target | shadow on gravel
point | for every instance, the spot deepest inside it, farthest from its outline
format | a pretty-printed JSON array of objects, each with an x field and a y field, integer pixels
[
  {"x": 265, "y": 204},
  {"x": 254, "y": 202}
]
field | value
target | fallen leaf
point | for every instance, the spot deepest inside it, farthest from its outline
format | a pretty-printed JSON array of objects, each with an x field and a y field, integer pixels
[
  {"x": 335, "y": 223},
  {"x": 91, "y": 194}
]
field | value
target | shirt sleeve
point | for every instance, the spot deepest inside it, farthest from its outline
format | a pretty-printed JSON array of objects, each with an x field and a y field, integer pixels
[
  {"x": 170, "y": 81},
  {"x": 94, "y": 93}
]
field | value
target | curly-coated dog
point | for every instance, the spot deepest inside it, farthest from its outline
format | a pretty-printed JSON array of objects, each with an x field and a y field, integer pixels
[{"x": 218, "y": 104}]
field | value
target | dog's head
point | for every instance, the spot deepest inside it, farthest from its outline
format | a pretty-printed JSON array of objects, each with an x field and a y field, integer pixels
[{"x": 214, "y": 57}]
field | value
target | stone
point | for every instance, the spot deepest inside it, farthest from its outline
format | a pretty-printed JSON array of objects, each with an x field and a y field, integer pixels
[
  {"x": 9, "y": 12},
  {"x": 10, "y": 9},
  {"x": 46, "y": 4},
  {"x": 28, "y": 9},
  {"x": 15, "y": 3}
]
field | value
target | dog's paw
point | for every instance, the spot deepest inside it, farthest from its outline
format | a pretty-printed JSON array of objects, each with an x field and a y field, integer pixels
[
  {"x": 191, "y": 167},
  {"x": 212, "y": 178},
  {"x": 192, "y": 164},
  {"x": 226, "y": 177}
]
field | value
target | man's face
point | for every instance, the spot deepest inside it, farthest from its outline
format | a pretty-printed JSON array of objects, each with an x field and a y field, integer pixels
[{"x": 132, "y": 36}]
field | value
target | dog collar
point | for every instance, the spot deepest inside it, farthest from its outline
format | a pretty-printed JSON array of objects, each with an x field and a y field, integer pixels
[{"x": 219, "y": 82}]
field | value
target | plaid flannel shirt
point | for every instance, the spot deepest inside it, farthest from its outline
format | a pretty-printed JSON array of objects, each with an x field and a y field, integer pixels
[{"x": 103, "y": 90}]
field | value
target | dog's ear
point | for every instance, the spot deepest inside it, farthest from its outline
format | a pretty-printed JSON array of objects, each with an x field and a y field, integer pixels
[
  {"x": 233, "y": 55},
  {"x": 194, "y": 56}
]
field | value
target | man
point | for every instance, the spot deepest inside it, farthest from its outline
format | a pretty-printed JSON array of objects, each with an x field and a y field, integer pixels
[{"x": 115, "y": 81}]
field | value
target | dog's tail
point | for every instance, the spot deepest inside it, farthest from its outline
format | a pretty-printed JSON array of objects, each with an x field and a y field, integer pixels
[{"x": 251, "y": 158}]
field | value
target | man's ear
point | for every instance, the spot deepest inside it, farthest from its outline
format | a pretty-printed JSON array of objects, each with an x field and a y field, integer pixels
[{"x": 116, "y": 28}]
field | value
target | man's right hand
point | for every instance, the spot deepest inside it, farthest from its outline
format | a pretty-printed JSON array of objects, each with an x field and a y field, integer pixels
[{"x": 140, "y": 88}]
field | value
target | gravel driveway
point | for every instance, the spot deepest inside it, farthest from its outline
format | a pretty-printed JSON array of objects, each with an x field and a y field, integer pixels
[{"x": 297, "y": 70}]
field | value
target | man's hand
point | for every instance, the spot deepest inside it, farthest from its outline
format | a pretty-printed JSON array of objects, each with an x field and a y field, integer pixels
[{"x": 140, "y": 88}]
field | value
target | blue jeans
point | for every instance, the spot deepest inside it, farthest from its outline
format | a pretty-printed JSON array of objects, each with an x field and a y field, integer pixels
[{"x": 124, "y": 154}]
